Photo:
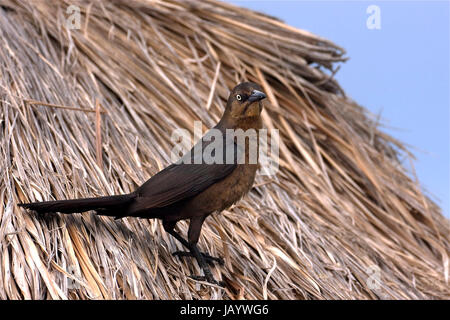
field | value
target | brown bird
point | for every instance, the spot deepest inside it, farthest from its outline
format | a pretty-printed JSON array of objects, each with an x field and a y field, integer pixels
[{"x": 189, "y": 188}]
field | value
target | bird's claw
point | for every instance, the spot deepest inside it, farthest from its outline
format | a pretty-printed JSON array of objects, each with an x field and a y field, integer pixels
[{"x": 208, "y": 259}]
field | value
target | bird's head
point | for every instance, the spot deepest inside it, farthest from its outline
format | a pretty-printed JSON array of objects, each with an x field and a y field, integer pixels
[{"x": 245, "y": 101}]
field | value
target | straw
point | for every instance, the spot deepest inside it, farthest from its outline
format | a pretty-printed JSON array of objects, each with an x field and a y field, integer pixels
[{"x": 342, "y": 218}]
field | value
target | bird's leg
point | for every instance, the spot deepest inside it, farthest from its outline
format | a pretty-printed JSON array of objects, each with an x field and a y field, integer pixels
[
  {"x": 170, "y": 228},
  {"x": 208, "y": 277},
  {"x": 193, "y": 235},
  {"x": 195, "y": 227}
]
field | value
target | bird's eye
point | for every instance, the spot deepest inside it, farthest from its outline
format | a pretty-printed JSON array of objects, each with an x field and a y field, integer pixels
[{"x": 239, "y": 97}]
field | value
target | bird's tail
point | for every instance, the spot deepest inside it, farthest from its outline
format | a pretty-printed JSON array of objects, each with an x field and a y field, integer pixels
[{"x": 80, "y": 205}]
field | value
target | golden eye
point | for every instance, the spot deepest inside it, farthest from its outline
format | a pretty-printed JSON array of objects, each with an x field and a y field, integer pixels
[{"x": 239, "y": 97}]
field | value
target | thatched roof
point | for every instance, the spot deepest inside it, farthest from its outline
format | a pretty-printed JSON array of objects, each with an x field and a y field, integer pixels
[{"x": 341, "y": 206}]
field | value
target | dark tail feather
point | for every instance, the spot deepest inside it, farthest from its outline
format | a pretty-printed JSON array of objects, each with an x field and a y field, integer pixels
[{"x": 79, "y": 205}]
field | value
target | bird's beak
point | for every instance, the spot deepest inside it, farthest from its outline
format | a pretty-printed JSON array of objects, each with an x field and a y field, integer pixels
[{"x": 256, "y": 96}]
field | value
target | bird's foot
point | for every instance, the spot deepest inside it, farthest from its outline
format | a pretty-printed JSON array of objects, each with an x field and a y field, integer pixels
[
  {"x": 209, "y": 279},
  {"x": 208, "y": 259}
]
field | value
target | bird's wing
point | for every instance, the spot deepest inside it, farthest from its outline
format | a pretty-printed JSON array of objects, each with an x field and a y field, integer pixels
[{"x": 183, "y": 180}]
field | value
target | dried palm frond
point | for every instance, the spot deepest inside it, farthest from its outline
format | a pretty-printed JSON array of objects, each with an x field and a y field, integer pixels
[{"x": 89, "y": 112}]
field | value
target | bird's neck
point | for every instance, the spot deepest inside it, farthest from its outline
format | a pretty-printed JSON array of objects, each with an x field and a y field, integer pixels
[{"x": 228, "y": 122}]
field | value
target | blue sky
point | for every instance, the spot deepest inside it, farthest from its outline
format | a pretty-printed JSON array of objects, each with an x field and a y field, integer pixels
[{"x": 401, "y": 70}]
